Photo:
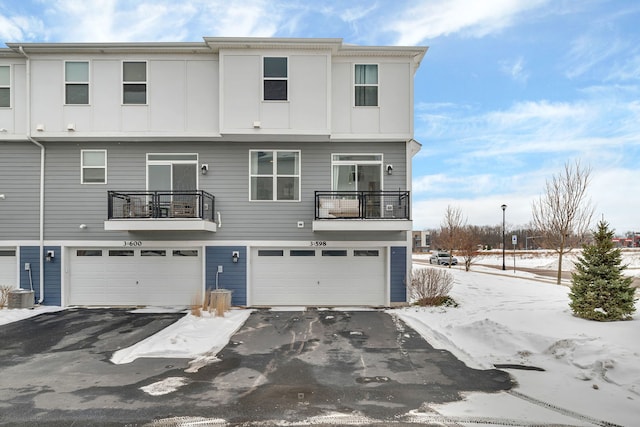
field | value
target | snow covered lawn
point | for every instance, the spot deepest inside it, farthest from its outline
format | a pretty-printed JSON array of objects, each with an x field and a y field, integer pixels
[{"x": 591, "y": 368}]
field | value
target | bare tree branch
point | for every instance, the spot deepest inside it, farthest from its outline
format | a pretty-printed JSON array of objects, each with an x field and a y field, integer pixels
[
  {"x": 451, "y": 230},
  {"x": 562, "y": 215}
]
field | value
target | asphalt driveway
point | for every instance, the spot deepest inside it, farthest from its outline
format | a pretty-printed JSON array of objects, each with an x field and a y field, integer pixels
[{"x": 287, "y": 366}]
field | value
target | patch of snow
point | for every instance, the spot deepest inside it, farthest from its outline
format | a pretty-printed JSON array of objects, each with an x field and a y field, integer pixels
[
  {"x": 590, "y": 367},
  {"x": 166, "y": 386},
  {"x": 10, "y": 315},
  {"x": 190, "y": 337}
]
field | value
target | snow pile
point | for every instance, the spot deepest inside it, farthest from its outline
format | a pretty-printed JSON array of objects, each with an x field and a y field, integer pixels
[
  {"x": 589, "y": 367},
  {"x": 192, "y": 337}
]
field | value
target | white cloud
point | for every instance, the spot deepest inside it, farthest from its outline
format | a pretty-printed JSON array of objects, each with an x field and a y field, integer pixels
[
  {"x": 533, "y": 127},
  {"x": 611, "y": 191},
  {"x": 255, "y": 18},
  {"x": 431, "y": 19},
  {"x": 515, "y": 69},
  {"x": 18, "y": 28}
]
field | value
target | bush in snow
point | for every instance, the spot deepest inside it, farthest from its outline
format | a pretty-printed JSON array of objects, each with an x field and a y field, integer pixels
[
  {"x": 599, "y": 291},
  {"x": 431, "y": 286}
]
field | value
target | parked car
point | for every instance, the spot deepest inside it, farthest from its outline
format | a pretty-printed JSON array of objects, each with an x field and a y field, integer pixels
[{"x": 443, "y": 258}]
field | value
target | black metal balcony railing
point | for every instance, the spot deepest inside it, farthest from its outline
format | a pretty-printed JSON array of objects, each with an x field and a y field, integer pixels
[
  {"x": 195, "y": 204},
  {"x": 362, "y": 205}
]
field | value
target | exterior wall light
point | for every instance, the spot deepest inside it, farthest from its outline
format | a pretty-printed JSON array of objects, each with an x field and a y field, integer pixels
[{"x": 235, "y": 255}]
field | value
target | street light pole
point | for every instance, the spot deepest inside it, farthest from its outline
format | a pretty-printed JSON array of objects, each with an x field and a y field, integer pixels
[{"x": 504, "y": 244}]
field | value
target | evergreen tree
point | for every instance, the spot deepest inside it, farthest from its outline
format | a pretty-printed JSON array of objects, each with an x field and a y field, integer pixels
[{"x": 599, "y": 291}]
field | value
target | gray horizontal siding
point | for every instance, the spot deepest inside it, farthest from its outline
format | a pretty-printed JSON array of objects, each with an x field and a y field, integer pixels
[
  {"x": 70, "y": 203},
  {"x": 20, "y": 183}
]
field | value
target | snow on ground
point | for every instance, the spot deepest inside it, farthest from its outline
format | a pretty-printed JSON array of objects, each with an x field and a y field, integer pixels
[
  {"x": 198, "y": 338},
  {"x": 15, "y": 314},
  {"x": 591, "y": 369}
]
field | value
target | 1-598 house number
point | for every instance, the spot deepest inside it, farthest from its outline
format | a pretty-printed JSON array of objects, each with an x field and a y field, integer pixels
[{"x": 318, "y": 243}]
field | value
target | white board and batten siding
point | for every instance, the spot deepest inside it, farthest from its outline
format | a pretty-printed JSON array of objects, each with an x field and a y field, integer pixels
[
  {"x": 135, "y": 276},
  {"x": 318, "y": 276}
]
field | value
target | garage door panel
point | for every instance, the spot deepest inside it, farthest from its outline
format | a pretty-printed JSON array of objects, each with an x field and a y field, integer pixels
[
  {"x": 8, "y": 263},
  {"x": 318, "y": 280},
  {"x": 159, "y": 277}
]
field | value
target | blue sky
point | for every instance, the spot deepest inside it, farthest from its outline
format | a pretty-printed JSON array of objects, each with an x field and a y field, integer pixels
[{"x": 509, "y": 91}]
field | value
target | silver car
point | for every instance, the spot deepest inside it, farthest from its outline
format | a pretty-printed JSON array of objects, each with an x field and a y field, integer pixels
[{"x": 443, "y": 258}]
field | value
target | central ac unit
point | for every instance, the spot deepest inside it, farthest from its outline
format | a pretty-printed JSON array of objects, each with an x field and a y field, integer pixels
[{"x": 20, "y": 298}]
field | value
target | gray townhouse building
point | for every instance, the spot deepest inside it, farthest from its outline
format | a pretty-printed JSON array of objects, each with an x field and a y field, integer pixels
[{"x": 148, "y": 173}]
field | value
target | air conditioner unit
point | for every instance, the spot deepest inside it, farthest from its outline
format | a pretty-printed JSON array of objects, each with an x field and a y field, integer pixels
[{"x": 20, "y": 298}]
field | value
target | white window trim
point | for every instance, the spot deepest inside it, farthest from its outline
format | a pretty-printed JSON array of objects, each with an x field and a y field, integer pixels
[
  {"x": 123, "y": 82},
  {"x": 83, "y": 167},
  {"x": 358, "y": 162},
  {"x": 353, "y": 92},
  {"x": 275, "y": 177},
  {"x": 9, "y": 86},
  {"x": 88, "y": 82},
  {"x": 275, "y": 78}
]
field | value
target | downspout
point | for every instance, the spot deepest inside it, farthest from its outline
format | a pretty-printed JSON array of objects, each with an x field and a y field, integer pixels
[{"x": 42, "y": 156}]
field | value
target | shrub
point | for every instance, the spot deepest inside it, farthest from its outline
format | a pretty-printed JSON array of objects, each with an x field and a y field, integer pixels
[
  {"x": 599, "y": 290},
  {"x": 431, "y": 286}
]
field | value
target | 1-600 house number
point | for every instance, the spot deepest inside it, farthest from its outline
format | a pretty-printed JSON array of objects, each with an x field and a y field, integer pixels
[{"x": 132, "y": 243}]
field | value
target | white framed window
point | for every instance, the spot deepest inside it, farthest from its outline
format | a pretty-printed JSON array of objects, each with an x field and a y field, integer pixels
[
  {"x": 356, "y": 172},
  {"x": 275, "y": 72},
  {"x": 93, "y": 164},
  {"x": 5, "y": 86},
  {"x": 134, "y": 82},
  {"x": 172, "y": 172},
  {"x": 274, "y": 175},
  {"x": 366, "y": 85},
  {"x": 76, "y": 82}
]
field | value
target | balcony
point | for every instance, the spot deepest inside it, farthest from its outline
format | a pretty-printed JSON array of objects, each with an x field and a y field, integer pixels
[
  {"x": 160, "y": 211},
  {"x": 362, "y": 211}
]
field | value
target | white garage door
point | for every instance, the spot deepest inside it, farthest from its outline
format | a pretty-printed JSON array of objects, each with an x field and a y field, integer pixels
[
  {"x": 161, "y": 277},
  {"x": 317, "y": 277},
  {"x": 8, "y": 267}
]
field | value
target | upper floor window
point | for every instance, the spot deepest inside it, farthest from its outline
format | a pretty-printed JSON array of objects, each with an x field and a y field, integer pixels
[
  {"x": 76, "y": 82},
  {"x": 275, "y": 175},
  {"x": 275, "y": 74},
  {"x": 366, "y": 85},
  {"x": 356, "y": 172},
  {"x": 5, "y": 86},
  {"x": 94, "y": 166},
  {"x": 134, "y": 82},
  {"x": 172, "y": 172}
]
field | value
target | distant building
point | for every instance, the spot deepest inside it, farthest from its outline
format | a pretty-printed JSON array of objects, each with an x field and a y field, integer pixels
[
  {"x": 421, "y": 241},
  {"x": 627, "y": 242}
]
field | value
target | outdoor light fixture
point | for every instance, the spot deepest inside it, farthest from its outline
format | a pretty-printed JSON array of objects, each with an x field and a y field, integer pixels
[
  {"x": 235, "y": 255},
  {"x": 50, "y": 256},
  {"x": 204, "y": 168},
  {"x": 389, "y": 169},
  {"x": 504, "y": 208}
]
